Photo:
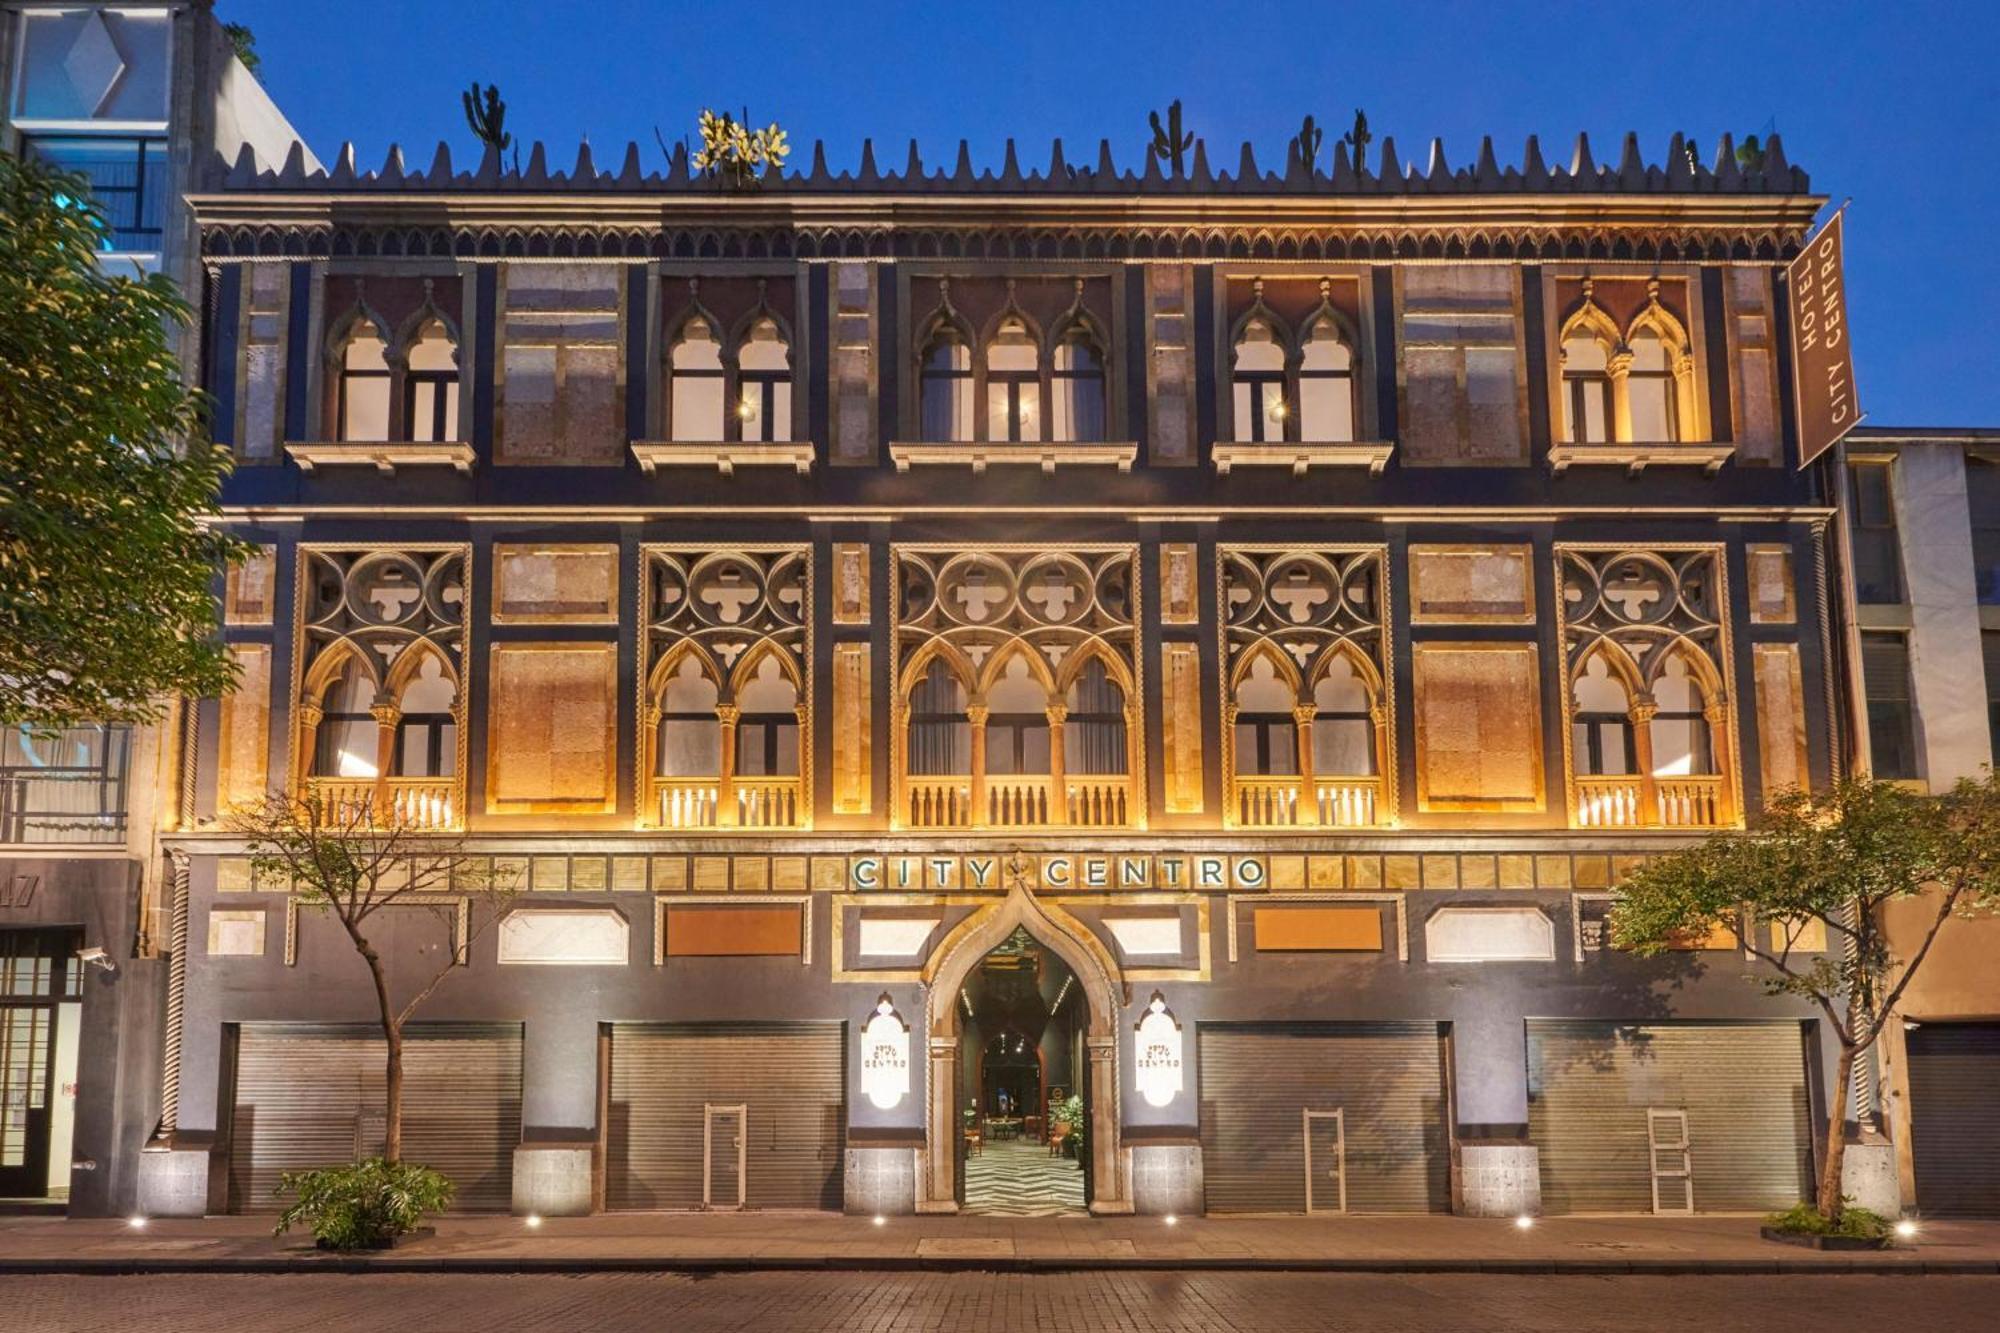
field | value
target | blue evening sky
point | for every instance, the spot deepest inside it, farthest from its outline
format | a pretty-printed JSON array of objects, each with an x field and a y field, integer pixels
[{"x": 1895, "y": 104}]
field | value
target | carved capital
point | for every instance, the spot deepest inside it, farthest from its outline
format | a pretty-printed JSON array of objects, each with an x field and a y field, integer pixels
[
  {"x": 387, "y": 715},
  {"x": 1058, "y": 714},
  {"x": 977, "y": 714},
  {"x": 728, "y": 714},
  {"x": 1643, "y": 709},
  {"x": 1619, "y": 364},
  {"x": 1303, "y": 714},
  {"x": 310, "y": 714}
]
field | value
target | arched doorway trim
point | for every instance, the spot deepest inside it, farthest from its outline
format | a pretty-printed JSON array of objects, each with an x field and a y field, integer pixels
[{"x": 1105, "y": 991}]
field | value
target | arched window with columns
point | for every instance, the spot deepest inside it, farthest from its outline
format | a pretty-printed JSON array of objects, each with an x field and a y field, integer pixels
[
  {"x": 764, "y": 384},
  {"x": 365, "y": 385},
  {"x": 698, "y": 388},
  {"x": 1257, "y": 380}
]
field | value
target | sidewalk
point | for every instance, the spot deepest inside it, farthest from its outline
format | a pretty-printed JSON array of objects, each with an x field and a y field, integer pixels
[{"x": 778, "y": 1241}]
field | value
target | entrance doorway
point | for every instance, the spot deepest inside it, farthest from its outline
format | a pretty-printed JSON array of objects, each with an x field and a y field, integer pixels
[
  {"x": 41, "y": 1015},
  {"x": 1024, "y": 1145}
]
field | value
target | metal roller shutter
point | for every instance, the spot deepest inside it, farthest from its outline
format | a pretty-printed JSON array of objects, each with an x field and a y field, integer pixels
[
  {"x": 311, "y": 1096},
  {"x": 1955, "y": 1116},
  {"x": 1740, "y": 1086},
  {"x": 791, "y": 1080},
  {"x": 1386, "y": 1079}
]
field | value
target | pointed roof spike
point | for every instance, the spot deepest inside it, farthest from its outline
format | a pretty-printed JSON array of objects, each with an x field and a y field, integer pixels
[
  {"x": 1343, "y": 175},
  {"x": 1247, "y": 174},
  {"x": 1106, "y": 171},
  {"x": 1631, "y": 165},
  {"x": 677, "y": 167},
  {"x": 962, "y": 173},
  {"x": 819, "y": 175},
  {"x": 868, "y": 174},
  {"x": 488, "y": 174},
  {"x": 913, "y": 170},
  {"x": 294, "y": 169},
  {"x": 392, "y": 167},
  {"x": 537, "y": 176},
  {"x": 1534, "y": 171},
  {"x": 1440, "y": 172},
  {"x": 1680, "y": 176},
  {"x": 1486, "y": 170},
  {"x": 585, "y": 170},
  {"x": 244, "y": 172},
  {"x": 1390, "y": 177},
  {"x": 1777, "y": 171},
  {"x": 630, "y": 173},
  {"x": 1728, "y": 176},
  {"x": 1296, "y": 175},
  {"x": 1059, "y": 173},
  {"x": 343, "y": 166},
  {"x": 1581, "y": 166},
  {"x": 1199, "y": 173},
  {"x": 1153, "y": 178},
  {"x": 440, "y": 172},
  {"x": 1010, "y": 169}
]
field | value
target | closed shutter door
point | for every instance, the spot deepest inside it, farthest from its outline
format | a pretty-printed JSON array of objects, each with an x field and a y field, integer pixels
[
  {"x": 1955, "y": 1117},
  {"x": 791, "y": 1080},
  {"x": 1742, "y": 1087},
  {"x": 1386, "y": 1079},
  {"x": 310, "y": 1096}
]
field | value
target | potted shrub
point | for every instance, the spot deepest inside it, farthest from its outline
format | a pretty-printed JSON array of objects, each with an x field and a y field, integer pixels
[
  {"x": 368, "y": 1205},
  {"x": 1854, "y": 1228},
  {"x": 1070, "y": 1113}
]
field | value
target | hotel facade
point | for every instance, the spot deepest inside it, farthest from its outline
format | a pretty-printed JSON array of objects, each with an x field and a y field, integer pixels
[{"x": 932, "y": 642}]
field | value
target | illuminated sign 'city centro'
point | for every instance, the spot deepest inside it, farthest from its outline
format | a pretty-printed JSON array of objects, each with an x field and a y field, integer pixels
[{"x": 1061, "y": 872}]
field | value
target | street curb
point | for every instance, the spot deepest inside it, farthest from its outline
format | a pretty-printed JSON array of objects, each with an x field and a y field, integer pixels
[{"x": 498, "y": 1266}]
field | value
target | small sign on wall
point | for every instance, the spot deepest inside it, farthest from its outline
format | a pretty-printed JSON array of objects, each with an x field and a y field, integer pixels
[
  {"x": 885, "y": 1057},
  {"x": 1156, "y": 1061}
]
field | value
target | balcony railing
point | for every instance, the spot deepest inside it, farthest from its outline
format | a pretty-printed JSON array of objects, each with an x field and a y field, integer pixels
[
  {"x": 1098, "y": 801},
  {"x": 756, "y": 803},
  {"x": 1018, "y": 801},
  {"x": 938, "y": 802},
  {"x": 424, "y": 804},
  {"x": 1619, "y": 802},
  {"x": 1277, "y": 802}
]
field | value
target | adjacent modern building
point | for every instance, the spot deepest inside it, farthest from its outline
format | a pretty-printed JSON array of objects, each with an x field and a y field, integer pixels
[{"x": 140, "y": 99}]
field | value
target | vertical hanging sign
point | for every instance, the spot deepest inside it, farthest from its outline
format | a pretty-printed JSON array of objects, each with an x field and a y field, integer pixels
[
  {"x": 1822, "y": 355},
  {"x": 885, "y": 1056}
]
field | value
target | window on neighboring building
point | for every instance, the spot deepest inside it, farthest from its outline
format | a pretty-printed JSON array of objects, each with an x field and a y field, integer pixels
[
  {"x": 947, "y": 387},
  {"x": 1013, "y": 384},
  {"x": 1989, "y": 642},
  {"x": 1586, "y": 390},
  {"x": 1649, "y": 385},
  {"x": 128, "y": 181},
  {"x": 1094, "y": 728},
  {"x": 1326, "y": 385},
  {"x": 1077, "y": 381},
  {"x": 764, "y": 384},
  {"x": 1878, "y": 564},
  {"x": 767, "y": 728},
  {"x": 1267, "y": 735},
  {"x": 63, "y": 786},
  {"x": 690, "y": 738},
  {"x": 1982, "y": 487},
  {"x": 364, "y": 386},
  {"x": 1343, "y": 732},
  {"x": 696, "y": 399},
  {"x": 1258, "y": 378},
  {"x": 430, "y": 386},
  {"x": 1885, "y": 671},
  {"x": 940, "y": 733},
  {"x": 1601, "y": 725}
]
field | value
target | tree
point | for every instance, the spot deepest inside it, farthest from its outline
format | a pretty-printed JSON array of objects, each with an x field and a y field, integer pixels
[
  {"x": 244, "y": 43},
  {"x": 107, "y": 486},
  {"x": 1837, "y": 859},
  {"x": 335, "y": 855}
]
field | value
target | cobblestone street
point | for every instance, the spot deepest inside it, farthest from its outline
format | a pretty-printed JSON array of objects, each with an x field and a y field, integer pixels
[{"x": 972, "y": 1302}]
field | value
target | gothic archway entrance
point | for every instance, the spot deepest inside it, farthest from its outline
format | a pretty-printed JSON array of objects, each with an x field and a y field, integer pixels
[{"x": 1058, "y": 948}]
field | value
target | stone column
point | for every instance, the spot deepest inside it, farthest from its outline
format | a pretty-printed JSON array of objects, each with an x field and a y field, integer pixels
[
  {"x": 310, "y": 715},
  {"x": 976, "y": 716},
  {"x": 1716, "y": 715},
  {"x": 939, "y": 1189},
  {"x": 1107, "y": 1187},
  {"x": 1686, "y": 408},
  {"x": 1385, "y": 741},
  {"x": 727, "y": 715},
  {"x": 386, "y": 716},
  {"x": 1641, "y": 714},
  {"x": 1618, "y": 367},
  {"x": 1058, "y": 792},
  {"x": 649, "y": 765},
  {"x": 1307, "y": 811}
]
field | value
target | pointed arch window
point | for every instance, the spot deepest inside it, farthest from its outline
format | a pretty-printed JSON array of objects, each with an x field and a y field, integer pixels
[
  {"x": 1682, "y": 746},
  {"x": 1257, "y": 376},
  {"x": 1650, "y": 385},
  {"x": 363, "y": 403},
  {"x": 767, "y": 730},
  {"x": 1586, "y": 389},
  {"x": 1326, "y": 385},
  {"x": 1343, "y": 725},
  {"x": 1017, "y": 723},
  {"x": 427, "y": 724},
  {"x": 690, "y": 736},
  {"x": 696, "y": 398},
  {"x": 1077, "y": 384},
  {"x": 1094, "y": 742},
  {"x": 1013, "y": 384},
  {"x": 430, "y": 385},
  {"x": 764, "y": 384},
  {"x": 940, "y": 732},
  {"x": 1601, "y": 722},
  {"x": 1267, "y": 734},
  {"x": 347, "y": 743},
  {"x": 946, "y": 386}
]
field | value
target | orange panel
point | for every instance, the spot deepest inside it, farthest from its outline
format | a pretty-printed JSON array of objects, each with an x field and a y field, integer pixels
[
  {"x": 733, "y": 932},
  {"x": 1318, "y": 928}
]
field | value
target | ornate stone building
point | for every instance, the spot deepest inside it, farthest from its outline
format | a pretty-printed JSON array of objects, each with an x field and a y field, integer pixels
[{"x": 934, "y": 643}]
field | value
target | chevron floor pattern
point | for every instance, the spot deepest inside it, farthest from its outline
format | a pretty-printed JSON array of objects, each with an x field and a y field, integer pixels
[{"x": 1015, "y": 1179}]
